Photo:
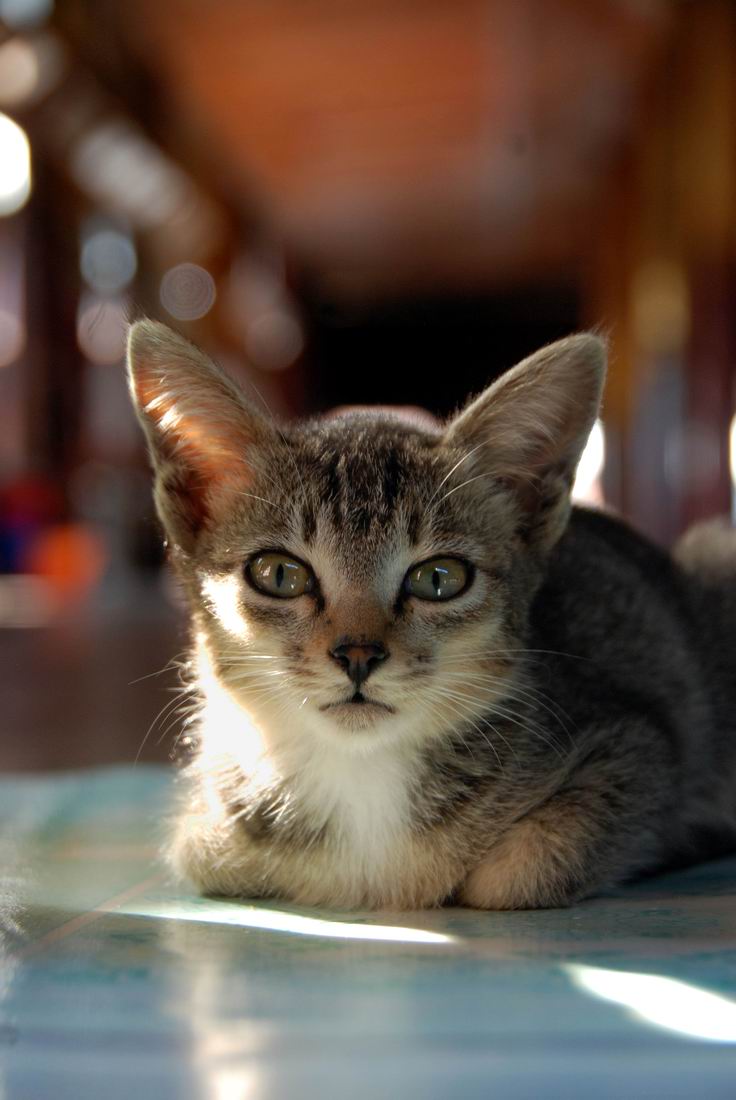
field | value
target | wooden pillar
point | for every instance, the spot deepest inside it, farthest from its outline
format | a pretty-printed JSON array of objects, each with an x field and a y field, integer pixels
[
  {"x": 663, "y": 281},
  {"x": 55, "y": 392}
]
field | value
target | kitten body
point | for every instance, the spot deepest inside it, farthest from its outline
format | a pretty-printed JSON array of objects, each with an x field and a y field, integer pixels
[{"x": 562, "y": 723}]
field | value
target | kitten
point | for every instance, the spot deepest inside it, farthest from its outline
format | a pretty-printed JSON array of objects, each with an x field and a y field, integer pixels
[{"x": 422, "y": 676}]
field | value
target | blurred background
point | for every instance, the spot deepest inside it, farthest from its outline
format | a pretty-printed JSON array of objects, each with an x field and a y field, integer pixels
[{"x": 342, "y": 201}]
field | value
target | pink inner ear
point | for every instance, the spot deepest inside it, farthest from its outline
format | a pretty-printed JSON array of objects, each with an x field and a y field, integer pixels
[
  {"x": 196, "y": 433},
  {"x": 200, "y": 442}
]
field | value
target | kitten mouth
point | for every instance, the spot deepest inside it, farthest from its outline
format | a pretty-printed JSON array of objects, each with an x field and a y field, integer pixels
[{"x": 358, "y": 700}]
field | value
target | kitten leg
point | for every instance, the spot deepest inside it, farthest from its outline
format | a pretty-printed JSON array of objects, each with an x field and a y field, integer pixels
[
  {"x": 212, "y": 852},
  {"x": 577, "y": 842}
]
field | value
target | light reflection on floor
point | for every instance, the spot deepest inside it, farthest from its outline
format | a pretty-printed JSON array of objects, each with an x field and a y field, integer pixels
[
  {"x": 664, "y": 1002},
  {"x": 116, "y": 983},
  {"x": 243, "y": 915}
]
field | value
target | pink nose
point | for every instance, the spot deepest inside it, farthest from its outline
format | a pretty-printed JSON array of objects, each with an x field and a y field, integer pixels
[{"x": 359, "y": 659}]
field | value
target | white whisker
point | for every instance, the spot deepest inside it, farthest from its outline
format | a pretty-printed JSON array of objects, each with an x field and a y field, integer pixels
[
  {"x": 447, "y": 477},
  {"x": 253, "y": 496},
  {"x": 462, "y": 485}
]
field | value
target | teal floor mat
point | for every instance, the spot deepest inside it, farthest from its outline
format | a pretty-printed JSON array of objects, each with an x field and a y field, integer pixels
[{"x": 116, "y": 983}]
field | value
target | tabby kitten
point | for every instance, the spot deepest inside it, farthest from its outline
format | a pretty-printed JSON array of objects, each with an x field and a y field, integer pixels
[{"x": 422, "y": 676}]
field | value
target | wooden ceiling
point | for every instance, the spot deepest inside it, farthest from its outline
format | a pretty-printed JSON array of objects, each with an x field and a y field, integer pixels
[{"x": 406, "y": 143}]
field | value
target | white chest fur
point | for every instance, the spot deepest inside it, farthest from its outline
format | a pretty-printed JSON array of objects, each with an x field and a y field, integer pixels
[
  {"x": 358, "y": 796},
  {"x": 363, "y": 799},
  {"x": 364, "y": 804},
  {"x": 360, "y": 804}
]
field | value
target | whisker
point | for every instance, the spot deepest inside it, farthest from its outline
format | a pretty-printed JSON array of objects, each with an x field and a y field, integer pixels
[
  {"x": 463, "y": 484},
  {"x": 484, "y": 718},
  {"x": 464, "y": 717},
  {"x": 249, "y": 657},
  {"x": 447, "y": 477},
  {"x": 520, "y": 649},
  {"x": 254, "y": 675},
  {"x": 160, "y": 717},
  {"x": 174, "y": 663},
  {"x": 178, "y": 715},
  {"x": 253, "y": 496},
  {"x": 534, "y": 728},
  {"x": 535, "y": 697},
  {"x": 501, "y": 712}
]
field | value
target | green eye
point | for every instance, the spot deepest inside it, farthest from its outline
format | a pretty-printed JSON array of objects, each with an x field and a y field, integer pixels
[
  {"x": 438, "y": 579},
  {"x": 279, "y": 575}
]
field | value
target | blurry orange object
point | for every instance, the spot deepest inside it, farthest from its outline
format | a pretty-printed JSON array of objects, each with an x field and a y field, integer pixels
[{"x": 71, "y": 557}]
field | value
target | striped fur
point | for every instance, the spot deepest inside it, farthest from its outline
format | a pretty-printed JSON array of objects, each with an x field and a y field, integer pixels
[{"x": 557, "y": 727}]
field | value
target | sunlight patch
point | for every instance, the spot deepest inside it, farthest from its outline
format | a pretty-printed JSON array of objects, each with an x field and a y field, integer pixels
[
  {"x": 666, "y": 1002},
  {"x": 277, "y": 920}
]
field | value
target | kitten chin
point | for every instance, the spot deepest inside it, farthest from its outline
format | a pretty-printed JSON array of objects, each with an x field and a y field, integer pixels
[
  {"x": 360, "y": 714},
  {"x": 549, "y": 699}
]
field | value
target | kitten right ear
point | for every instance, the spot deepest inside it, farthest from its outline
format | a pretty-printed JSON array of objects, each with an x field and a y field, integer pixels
[
  {"x": 201, "y": 433},
  {"x": 530, "y": 427}
]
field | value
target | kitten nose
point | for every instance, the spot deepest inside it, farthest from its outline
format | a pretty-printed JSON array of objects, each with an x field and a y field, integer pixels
[{"x": 359, "y": 659}]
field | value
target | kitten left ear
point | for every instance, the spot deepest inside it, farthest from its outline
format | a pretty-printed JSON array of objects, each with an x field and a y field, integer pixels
[
  {"x": 202, "y": 436},
  {"x": 530, "y": 427}
]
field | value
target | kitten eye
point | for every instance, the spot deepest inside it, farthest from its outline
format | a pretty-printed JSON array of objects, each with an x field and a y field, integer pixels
[
  {"x": 438, "y": 579},
  {"x": 279, "y": 575}
]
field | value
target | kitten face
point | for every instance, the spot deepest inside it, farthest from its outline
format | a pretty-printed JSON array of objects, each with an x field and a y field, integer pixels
[
  {"x": 348, "y": 508},
  {"x": 369, "y": 504}
]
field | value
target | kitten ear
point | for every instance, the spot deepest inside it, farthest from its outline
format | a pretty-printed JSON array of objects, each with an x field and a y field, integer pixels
[
  {"x": 530, "y": 427},
  {"x": 201, "y": 433}
]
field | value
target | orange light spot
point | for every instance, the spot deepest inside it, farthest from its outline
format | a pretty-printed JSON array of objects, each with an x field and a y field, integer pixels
[{"x": 71, "y": 557}]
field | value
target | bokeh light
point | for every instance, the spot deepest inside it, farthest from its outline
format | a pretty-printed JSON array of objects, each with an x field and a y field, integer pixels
[
  {"x": 263, "y": 311},
  {"x": 13, "y": 277},
  {"x": 71, "y": 557},
  {"x": 187, "y": 292},
  {"x": 12, "y": 337},
  {"x": 19, "y": 71},
  {"x": 692, "y": 456},
  {"x": 29, "y": 67},
  {"x": 25, "y": 13},
  {"x": 101, "y": 328},
  {"x": 108, "y": 258},
  {"x": 274, "y": 339},
  {"x": 15, "y": 166},
  {"x": 117, "y": 164},
  {"x": 661, "y": 307}
]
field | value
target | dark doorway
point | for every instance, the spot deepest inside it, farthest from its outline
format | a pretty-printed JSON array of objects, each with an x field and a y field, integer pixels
[{"x": 431, "y": 352}]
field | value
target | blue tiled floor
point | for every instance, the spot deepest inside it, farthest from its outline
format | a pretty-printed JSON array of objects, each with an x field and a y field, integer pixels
[{"x": 116, "y": 984}]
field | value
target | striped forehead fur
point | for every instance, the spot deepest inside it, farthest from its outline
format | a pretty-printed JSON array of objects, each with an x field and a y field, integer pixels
[{"x": 366, "y": 470}]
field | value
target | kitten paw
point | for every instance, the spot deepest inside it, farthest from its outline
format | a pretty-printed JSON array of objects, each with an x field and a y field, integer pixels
[{"x": 531, "y": 867}]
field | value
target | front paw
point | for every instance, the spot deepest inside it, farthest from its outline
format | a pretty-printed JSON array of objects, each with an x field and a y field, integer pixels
[
  {"x": 533, "y": 866},
  {"x": 216, "y": 858}
]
